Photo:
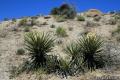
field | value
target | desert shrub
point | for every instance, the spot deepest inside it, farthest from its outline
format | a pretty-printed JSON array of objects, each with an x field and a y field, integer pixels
[
  {"x": 61, "y": 32},
  {"x": 64, "y": 10},
  {"x": 27, "y": 28},
  {"x": 38, "y": 45},
  {"x": 52, "y": 26},
  {"x": 23, "y": 22},
  {"x": 80, "y": 18},
  {"x": 20, "y": 51}
]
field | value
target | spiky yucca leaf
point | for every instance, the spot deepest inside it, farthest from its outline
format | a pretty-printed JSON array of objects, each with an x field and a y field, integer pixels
[
  {"x": 91, "y": 48},
  {"x": 38, "y": 44}
]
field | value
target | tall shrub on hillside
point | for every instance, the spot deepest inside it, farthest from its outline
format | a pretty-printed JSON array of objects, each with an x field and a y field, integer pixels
[{"x": 65, "y": 10}]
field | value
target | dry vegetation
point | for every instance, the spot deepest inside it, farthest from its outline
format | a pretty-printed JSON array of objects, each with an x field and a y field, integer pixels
[{"x": 60, "y": 47}]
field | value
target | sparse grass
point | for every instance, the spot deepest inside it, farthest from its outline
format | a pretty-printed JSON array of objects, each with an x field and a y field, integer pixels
[
  {"x": 80, "y": 18},
  {"x": 20, "y": 51},
  {"x": 61, "y": 32}
]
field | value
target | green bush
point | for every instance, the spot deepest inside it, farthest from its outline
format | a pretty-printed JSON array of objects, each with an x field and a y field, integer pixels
[
  {"x": 61, "y": 32},
  {"x": 20, "y": 51},
  {"x": 64, "y": 10},
  {"x": 38, "y": 45},
  {"x": 80, "y": 18}
]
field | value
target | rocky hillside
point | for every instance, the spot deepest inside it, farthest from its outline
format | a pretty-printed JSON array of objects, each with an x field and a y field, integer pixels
[{"x": 12, "y": 41}]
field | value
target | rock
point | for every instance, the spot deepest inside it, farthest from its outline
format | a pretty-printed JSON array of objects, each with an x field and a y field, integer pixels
[{"x": 93, "y": 13}]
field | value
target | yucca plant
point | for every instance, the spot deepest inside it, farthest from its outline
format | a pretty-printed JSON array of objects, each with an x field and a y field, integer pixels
[
  {"x": 38, "y": 45},
  {"x": 91, "y": 48},
  {"x": 73, "y": 50}
]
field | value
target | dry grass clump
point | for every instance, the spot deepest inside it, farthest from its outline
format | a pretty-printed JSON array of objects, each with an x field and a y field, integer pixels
[{"x": 61, "y": 32}]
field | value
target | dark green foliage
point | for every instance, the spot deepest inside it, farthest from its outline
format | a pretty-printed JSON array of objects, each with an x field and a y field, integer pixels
[
  {"x": 38, "y": 46},
  {"x": 20, "y": 51},
  {"x": 65, "y": 10}
]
